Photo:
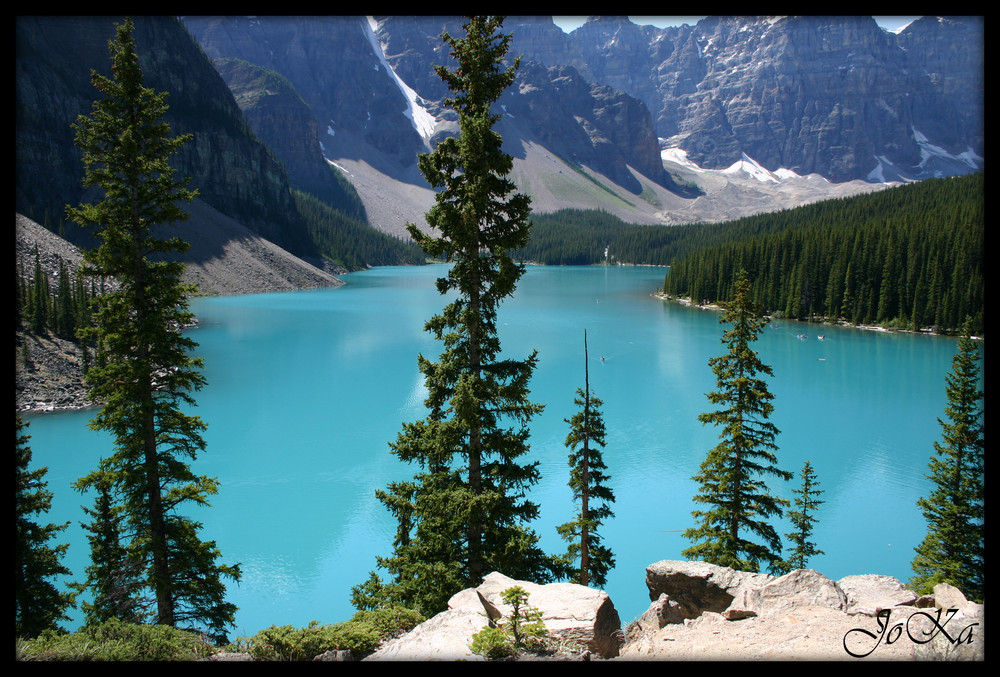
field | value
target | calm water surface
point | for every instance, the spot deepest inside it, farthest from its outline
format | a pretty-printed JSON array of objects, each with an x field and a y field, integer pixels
[{"x": 306, "y": 389}]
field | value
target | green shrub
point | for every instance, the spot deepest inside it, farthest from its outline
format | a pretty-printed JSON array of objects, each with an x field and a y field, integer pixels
[
  {"x": 524, "y": 630},
  {"x": 388, "y": 621},
  {"x": 116, "y": 640},
  {"x": 287, "y": 643},
  {"x": 361, "y": 635}
]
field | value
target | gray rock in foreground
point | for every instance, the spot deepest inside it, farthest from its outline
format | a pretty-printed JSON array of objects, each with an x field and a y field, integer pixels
[
  {"x": 573, "y": 615},
  {"x": 701, "y": 611}
]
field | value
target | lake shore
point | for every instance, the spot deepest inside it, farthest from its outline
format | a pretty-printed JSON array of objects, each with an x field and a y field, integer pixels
[{"x": 684, "y": 301}]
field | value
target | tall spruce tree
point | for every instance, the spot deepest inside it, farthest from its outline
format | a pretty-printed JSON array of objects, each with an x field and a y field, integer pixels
[
  {"x": 38, "y": 602},
  {"x": 953, "y": 551},
  {"x": 803, "y": 517},
  {"x": 144, "y": 372},
  {"x": 464, "y": 514},
  {"x": 588, "y": 480},
  {"x": 732, "y": 476}
]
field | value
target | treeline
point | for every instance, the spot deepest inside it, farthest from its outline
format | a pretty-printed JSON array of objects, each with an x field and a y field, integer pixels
[
  {"x": 577, "y": 237},
  {"x": 59, "y": 309},
  {"x": 350, "y": 242},
  {"x": 42, "y": 309},
  {"x": 906, "y": 257}
]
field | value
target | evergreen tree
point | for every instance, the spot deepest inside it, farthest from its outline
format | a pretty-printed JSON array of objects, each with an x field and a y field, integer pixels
[
  {"x": 731, "y": 477},
  {"x": 39, "y": 315},
  {"x": 38, "y": 603},
  {"x": 464, "y": 514},
  {"x": 65, "y": 317},
  {"x": 803, "y": 518},
  {"x": 953, "y": 551},
  {"x": 588, "y": 481},
  {"x": 144, "y": 372},
  {"x": 114, "y": 578}
]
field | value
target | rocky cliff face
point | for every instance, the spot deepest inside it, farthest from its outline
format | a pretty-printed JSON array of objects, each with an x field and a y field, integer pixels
[
  {"x": 271, "y": 106},
  {"x": 232, "y": 171},
  {"x": 331, "y": 64},
  {"x": 586, "y": 124},
  {"x": 370, "y": 82},
  {"x": 836, "y": 96},
  {"x": 588, "y": 119}
]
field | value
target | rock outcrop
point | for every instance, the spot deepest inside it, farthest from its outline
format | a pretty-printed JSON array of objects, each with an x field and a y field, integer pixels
[
  {"x": 705, "y": 612},
  {"x": 574, "y": 615},
  {"x": 702, "y": 612},
  {"x": 695, "y": 587},
  {"x": 837, "y": 96}
]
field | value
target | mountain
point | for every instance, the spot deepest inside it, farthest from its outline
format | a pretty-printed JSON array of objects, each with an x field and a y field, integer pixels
[
  {"x": 729, "y": 117},
  {"x": 242, "y": 185},
  {"x": 54, "y": 58},
  {"x": 837, "y": 96},
  {"x": 377, "y": 103},
  {"x": 271, "y": 106}
]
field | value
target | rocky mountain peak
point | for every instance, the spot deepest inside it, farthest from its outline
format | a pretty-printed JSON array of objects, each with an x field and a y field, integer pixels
[{"x": 834, "y": 96}]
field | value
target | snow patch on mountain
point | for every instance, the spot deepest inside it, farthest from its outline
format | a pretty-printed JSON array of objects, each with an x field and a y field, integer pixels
[
  {"x": 422, "y": 120},
  {"x": 929, "y": 151},
  {"x": 877, "y": 175},
  {"x": 746, "y": 166},
  {"x": 679, "y": 157},
  {"x": 749, "y": 166},
  {"x": 935, "y": 161}
]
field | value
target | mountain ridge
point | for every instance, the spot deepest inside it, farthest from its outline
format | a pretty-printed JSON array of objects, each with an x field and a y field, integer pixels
[
  {"x": 700, "y": 87},
  {"x": 727, "y": 118}
]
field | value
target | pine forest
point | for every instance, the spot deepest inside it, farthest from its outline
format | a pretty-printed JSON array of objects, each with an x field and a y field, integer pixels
[
  {"x": 908, "y": 258},
  {"x": 905, "y": 257}
]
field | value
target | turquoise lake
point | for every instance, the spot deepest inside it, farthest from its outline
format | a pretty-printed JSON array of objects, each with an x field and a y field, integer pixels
[{"x": 306, "y": 389}]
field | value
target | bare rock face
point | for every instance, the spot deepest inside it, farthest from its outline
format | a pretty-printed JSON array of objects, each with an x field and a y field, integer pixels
[
  {"x": 684, "y": 590},
  {"x": 445, "y": 637},
  {"x": 799, "y": 588},
  {"x": 573, "y": 614},
  {"x": 706, "y": 612},
  {"x": 869, "y": 594},
  {"x": 698, "y": 586},
  {"x": 837, "y": 96}
]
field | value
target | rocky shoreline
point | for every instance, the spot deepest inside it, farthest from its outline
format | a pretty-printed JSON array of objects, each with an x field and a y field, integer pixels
[{"x": 48, "y": 370}]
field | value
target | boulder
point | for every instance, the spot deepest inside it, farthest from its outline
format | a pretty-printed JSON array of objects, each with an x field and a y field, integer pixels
[
  {"x": 573, "y": 614},
  {"x": 696, "y": 587},
  {"x": 661, "y": 612},
  {"x": 869, "y": 594},
  {"x": 799, "y": 588},
  {"x": 335, "y": 656},
  {"x": 445, "y": 637},
  {"x": 949, "y": 597},
  {"x": 707, "y": 612}
]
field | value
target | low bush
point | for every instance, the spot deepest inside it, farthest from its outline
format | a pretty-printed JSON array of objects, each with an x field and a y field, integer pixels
[
  {"x": 116, "y": 641},
  {"x": 361, "y": 636}
]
